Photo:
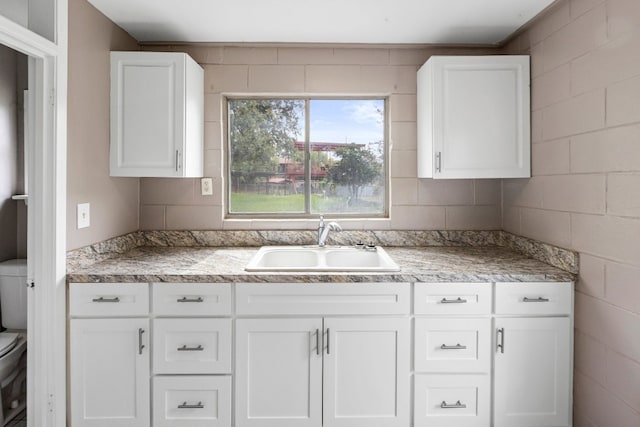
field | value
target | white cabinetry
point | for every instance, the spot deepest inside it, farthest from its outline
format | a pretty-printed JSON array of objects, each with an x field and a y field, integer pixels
[
  {"x": 321, "y": 355},
  {"x": 279, "y": 372},
  {"x": 366, "y": 372},
  {"x": 192, "y": 401},
  {"x": 474, "y": 117},
  {"x": 331, "y": 371},
  {"x": 532, "y": 379},
  {"x": 191, "y": 348},
  {"x": 157, "y": 115},
  {"x": 109, "y": 357},
  {"x": 452, "y": 354}
]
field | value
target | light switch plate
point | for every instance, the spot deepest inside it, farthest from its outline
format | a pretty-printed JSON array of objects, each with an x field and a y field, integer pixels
[
  {"x": 206, "y": 186},
  {"x": 84, "y": 215}
]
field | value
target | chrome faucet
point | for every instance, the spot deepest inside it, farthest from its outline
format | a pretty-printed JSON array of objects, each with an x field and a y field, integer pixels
[{"x": 323, "y": 230}]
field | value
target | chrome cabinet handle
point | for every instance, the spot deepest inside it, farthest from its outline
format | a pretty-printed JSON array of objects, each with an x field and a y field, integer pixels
[
  {"x": 318, "y": 342},
  {"x": 328, "y": 341},
  {"x": 185, "y": 348},
  {"x": 457, "y": 405},
  {"x": 185, "y": 405},
  {"x": 500, "y": 339},
  {"x": 453, "y": 347},
  {"x": 453, "y": 301},
  {"x": 539, "y": 299},
  {"x": 103, "y": 299},
  {"x": 177, "y": 153},
  {"x": 185, "y": 299},
  {"x": 439, "y": 161},
  {"x": 140, "y": 345}
]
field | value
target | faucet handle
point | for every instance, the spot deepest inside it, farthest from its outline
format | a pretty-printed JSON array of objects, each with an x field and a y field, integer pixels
[{"x": 321, "y": 221}]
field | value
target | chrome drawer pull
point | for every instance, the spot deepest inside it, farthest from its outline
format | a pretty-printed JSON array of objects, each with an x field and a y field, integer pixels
[
  {"x": 185, "y": 299},
  {"x": 453, "y": 347},
  {"x": 185, "y": 348},
  {"x": 184, "y": 405},
  {"x": 539, "y": 299},
  {"x": 456, "y": 405},
  {"x": 103, "y": 299},
  {"x": 453, "y": 301}
]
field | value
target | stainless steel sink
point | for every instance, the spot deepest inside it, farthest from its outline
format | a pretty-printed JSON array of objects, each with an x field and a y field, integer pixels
[{"x": 327, "y": 258}]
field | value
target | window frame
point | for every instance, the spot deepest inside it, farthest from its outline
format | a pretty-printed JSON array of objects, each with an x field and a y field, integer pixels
[{"x": 386, "y": 167}]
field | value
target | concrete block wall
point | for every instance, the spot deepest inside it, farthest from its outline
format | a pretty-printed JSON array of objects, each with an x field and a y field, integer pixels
[
  {"x": 585, "y": 190},
  {"x": 321, "y": 70}
]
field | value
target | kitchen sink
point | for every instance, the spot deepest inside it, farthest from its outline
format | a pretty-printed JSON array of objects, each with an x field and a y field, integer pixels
[{"x": 326, "y": 258}]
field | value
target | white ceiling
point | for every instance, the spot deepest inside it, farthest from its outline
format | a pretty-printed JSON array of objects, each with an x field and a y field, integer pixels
[{"x": 322, "y": 21}]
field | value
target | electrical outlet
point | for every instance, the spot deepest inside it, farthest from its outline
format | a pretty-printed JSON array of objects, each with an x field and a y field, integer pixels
[
  {"x": 206, "y": 186},
  {"x": 84, "y": 215}
]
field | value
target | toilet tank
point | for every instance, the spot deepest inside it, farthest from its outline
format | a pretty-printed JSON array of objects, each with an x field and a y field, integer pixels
[{"x": 13, "y": 293}]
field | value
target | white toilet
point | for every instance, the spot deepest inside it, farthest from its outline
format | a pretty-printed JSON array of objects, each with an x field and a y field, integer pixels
[{"x": 13, "y": 341}]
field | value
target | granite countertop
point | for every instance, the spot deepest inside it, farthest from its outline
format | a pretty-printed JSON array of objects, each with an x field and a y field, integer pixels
[{"x": 226, "y": 264}]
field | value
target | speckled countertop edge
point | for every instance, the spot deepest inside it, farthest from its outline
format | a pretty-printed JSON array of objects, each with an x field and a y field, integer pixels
[
  {"x": 81, "y": 259},
  {"x": 226, "y": 264}
]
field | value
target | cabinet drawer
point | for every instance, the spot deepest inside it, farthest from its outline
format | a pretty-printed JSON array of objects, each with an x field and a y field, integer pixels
[
  {"x": 108, "y": 299},
  {"x": 452, "y": 345},
  {"x": 191, "y": 299},
  {"x": 192, "y": 346},
  {"x": 534, "y": 298},
  {"x": 322, "y": 298},
  {"x": 452, "y": 298},
  {"x": 452, "y": 400},
  {"x": 201, "y": 401}
]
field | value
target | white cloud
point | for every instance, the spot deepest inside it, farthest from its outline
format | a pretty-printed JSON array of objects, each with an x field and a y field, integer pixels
[{"x": 365, "y": 112}]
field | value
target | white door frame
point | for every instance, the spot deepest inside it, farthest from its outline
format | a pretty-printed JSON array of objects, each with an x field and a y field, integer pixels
[{"x": 46, "y": 372}]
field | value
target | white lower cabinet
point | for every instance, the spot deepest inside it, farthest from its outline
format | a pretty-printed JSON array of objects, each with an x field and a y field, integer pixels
[
  {"x": 321, "y": 355},
  {"x": 279, "y": 372},
  {"x": 192, "y": 401},
  {"x": 109, "y": 361},
  {"x": 322, "y": 372},
  {"x": 532, "y": 384},
  {"x": 192, "y": 355},
  {"x": 366, "y": 372}
]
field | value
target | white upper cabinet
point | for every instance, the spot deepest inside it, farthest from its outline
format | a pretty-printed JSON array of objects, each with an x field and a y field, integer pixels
[
  {"x": 474, "y": 117},
  {"x": 157, "y": 115}
]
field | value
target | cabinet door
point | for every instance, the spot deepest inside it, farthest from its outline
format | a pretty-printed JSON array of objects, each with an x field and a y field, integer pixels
[
  {"x": 477, "y": 117},
  {"x": 147, "y": 97},
  {"x": 532, "y": 372},
  {"x": 366, "y": 372},
  {"x": 109, "y": 361},
  {"x": 156, "y": 115},
  {"x": 278, "y": 372}
]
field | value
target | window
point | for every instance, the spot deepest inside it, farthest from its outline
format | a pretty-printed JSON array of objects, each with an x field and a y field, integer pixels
[{"x": 297, "y": 157}]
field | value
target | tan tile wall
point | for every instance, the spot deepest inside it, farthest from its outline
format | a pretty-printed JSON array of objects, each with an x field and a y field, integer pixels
[
  {"x": 585, "y": 190},
  {"x": 415, "y": 204}
]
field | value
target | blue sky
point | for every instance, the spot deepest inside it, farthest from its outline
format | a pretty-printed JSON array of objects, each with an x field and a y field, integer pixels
[{"x": 354, "y": 120}]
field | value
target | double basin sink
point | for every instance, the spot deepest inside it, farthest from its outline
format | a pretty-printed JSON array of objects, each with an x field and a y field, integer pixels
[{"x": 321, "y": 258}]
